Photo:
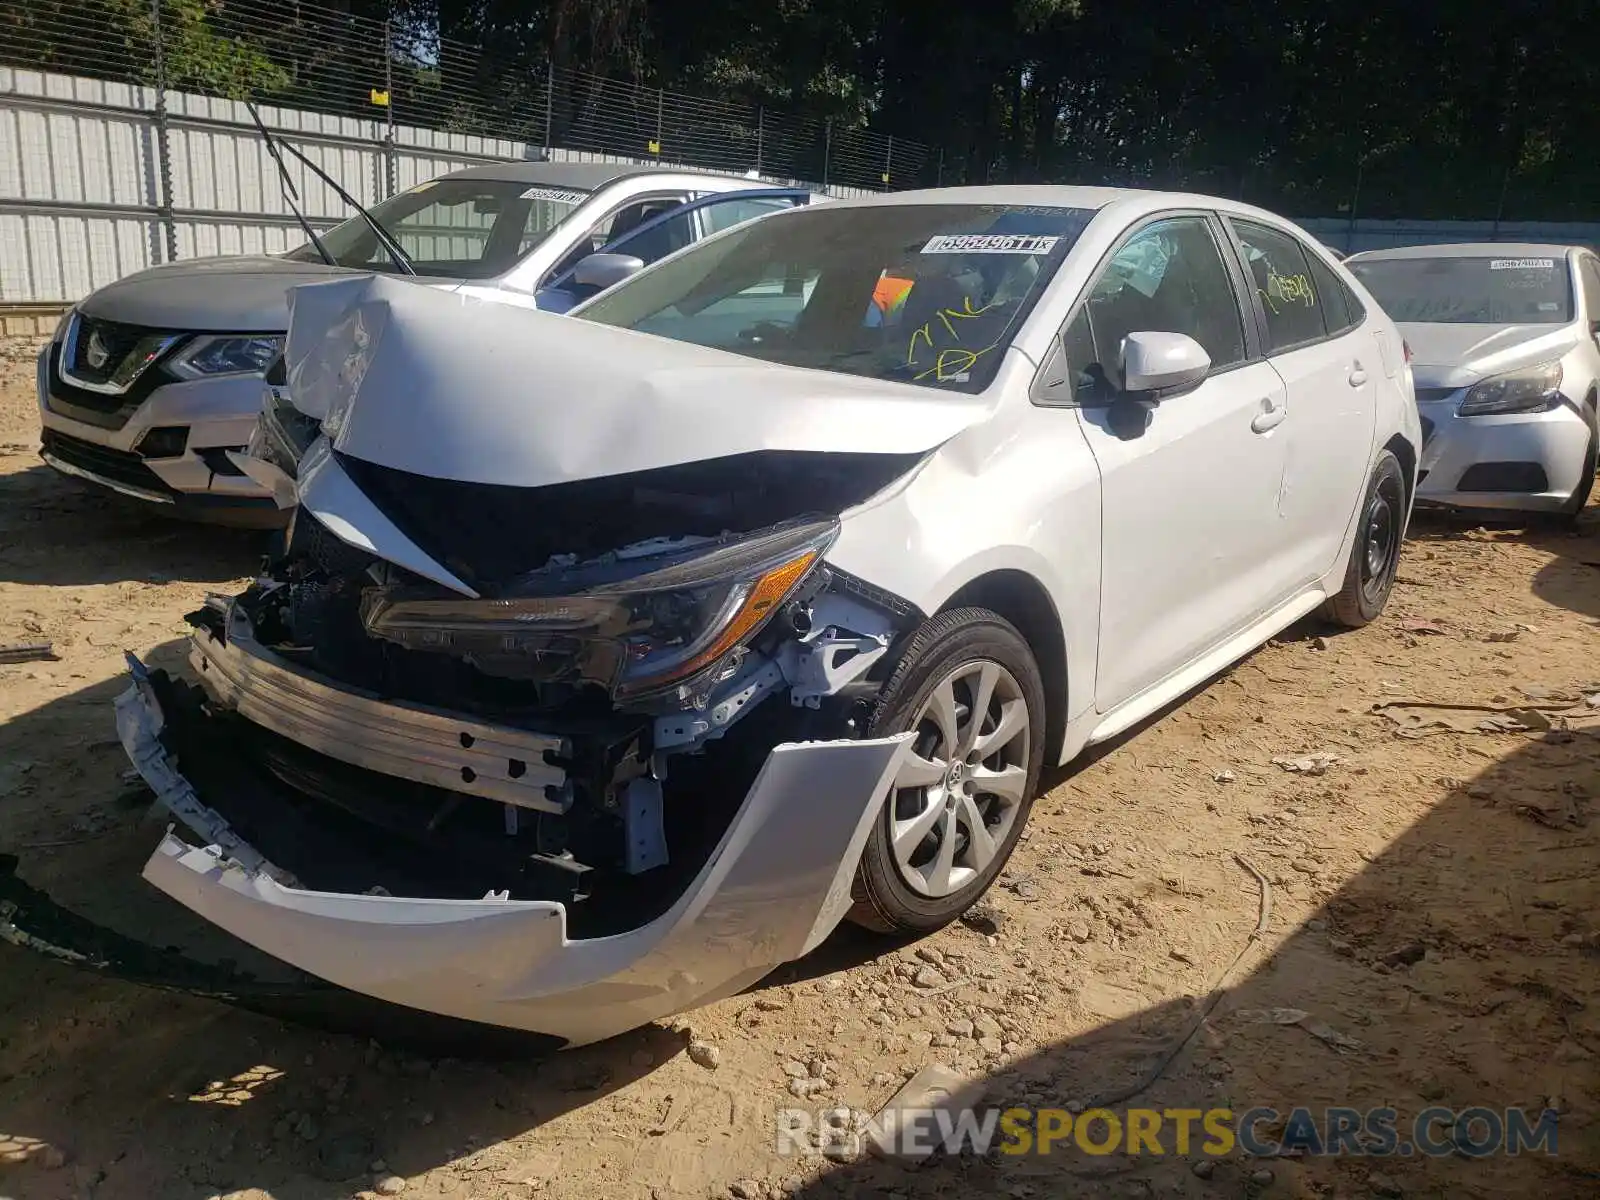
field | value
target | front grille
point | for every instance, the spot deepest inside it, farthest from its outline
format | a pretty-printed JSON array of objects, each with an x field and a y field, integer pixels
[
  {"x": 100, "y": 348},
  {"x": 93, "y": 391},
  {"x": 119, "y": 466},
  {"x": 1504, "y": 477}
]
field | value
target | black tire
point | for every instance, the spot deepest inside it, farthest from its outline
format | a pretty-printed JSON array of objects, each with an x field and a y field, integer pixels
[
  {"x": 1375, "y": 553},
  {"x": 946, "y": 644}
]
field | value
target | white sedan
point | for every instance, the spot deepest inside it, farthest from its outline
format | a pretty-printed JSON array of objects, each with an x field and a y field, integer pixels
[
  {"x": 615, "y": 658},
  {"x": 1505, "y": 349}
]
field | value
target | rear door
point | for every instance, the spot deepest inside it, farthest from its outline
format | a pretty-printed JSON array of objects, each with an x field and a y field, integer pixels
[
  {"x": 1316, "y": 337},
  {"x": 1191, "y": 542}
]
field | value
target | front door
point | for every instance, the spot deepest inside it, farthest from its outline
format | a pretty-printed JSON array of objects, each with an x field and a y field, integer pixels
[{"x": 1192, "y": 544}]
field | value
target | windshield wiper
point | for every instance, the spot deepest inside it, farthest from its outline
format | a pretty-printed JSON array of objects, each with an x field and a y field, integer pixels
[{"x": 291, "y": 194}]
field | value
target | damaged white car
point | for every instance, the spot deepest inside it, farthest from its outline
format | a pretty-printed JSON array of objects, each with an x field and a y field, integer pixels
[{"x": 614, "y": 658}]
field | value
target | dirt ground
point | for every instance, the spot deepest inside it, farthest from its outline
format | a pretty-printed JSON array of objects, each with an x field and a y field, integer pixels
[{"x": 1432, "y": 913}]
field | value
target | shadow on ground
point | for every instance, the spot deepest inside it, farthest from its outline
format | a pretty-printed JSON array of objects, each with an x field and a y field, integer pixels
[
  {"x": 1570, "y": 580},
  {"x": 112, "y": 539},
  {"x": 1418, "y": 992}
]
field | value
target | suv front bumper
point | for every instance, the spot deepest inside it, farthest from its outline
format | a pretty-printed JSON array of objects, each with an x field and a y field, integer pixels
[{"x": 198, "y": 483}]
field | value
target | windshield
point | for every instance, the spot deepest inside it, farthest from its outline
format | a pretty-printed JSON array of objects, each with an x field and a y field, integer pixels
[
  {"x": 927, "y": 293},
  {"x": 1464, "y": 291},
  {"x": 455, "y": 228}
]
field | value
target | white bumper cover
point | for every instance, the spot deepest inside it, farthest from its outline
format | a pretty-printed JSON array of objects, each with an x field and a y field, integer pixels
[
  {"x": 1557, "y": 440},
  {"x": 774, "y": 888}
]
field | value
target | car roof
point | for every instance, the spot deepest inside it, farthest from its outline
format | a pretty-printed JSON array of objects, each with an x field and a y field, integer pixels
[
  {"x": 1021, "y": 194},
  {"x": 1470, "y": 250},
  {"x": 1133, "y": 202},
  {"x": 587, "y": 176}
]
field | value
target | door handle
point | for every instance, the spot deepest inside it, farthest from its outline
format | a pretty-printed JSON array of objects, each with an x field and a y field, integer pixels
[
  {"x": 1270, "y": 417},
  {"x": 1358, "y": 375}
]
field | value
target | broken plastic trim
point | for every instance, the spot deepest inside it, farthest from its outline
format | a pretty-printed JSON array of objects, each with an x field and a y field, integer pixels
[{"x": 776, "y": 885}]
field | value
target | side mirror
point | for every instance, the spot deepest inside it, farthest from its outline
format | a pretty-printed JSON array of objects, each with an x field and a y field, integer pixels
[
  {"x": 1161, "y": 364},
  {"x": 600, "y": 271}
]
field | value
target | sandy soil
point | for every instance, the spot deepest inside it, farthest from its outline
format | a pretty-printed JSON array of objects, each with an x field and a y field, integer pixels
[{"x": 1433, "y": 905}]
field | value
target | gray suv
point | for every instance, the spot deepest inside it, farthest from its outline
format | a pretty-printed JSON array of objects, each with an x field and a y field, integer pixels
[{"x": 150, "y": 381}]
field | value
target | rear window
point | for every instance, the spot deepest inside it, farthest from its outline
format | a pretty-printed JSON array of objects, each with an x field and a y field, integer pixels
[{"x": 1500, "y": 290}]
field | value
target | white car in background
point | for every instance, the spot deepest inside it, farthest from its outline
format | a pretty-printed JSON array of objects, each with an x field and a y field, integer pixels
[
  {"x": 151, "y": 381},
  {"x": 614, "y": 658},
  {"x": 1505, "y": 348}
]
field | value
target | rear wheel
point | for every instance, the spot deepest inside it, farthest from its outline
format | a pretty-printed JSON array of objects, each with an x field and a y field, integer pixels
[
  {"x": 1375, "y": 556},
  {"x": 967, "y": 686}
]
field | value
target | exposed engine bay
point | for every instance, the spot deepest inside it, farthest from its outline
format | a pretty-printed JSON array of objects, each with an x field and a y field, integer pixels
[{"x": 584, "y": 728}]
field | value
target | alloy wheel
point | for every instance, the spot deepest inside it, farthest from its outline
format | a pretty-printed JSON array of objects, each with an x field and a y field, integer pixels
[{"x": 958, "y": 791}]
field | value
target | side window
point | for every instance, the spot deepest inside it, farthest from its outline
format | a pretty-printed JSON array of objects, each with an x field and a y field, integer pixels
[
  {"x": 658, "y": 241},
  {"x": 1283, "y": 280},
  {"x": 1325, "y": 285},
  {"x": 618, "y": 222},
  {"x": 729, "y": 213},
  {"x": 1169, "y": 277}
]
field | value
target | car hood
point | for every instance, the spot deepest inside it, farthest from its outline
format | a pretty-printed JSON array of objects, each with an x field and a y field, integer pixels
[
  {"x": 1454, "y": 356},
  {"x": 447, "y": 386},
  {"x": 231, "y": 294}
]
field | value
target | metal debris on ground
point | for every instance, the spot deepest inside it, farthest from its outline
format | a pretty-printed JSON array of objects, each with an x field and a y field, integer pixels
[
  {"x": 1298, "y": 1016},
  {"x": 903, "y": 1128},
  {"x": 1422, "y": 625},
  {"x": 26, "y": 652},
  {"x": 1311, "y": 764},
  {"x": 1415, "y": 719}
]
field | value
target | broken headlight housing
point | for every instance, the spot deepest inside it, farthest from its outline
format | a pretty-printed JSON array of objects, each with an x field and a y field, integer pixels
[{"x": 663, "y": 627}]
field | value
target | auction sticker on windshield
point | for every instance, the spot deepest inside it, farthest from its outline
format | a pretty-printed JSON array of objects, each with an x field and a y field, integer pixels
[
  {"x": 990, "y": 243},
  {"x": 1522, "y": 264},
  {"x": 555, "y": 195}
]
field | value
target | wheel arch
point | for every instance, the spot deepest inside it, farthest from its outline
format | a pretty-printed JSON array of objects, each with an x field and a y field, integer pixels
[
  {"x": 1024, "y": 601},
  {"x": 1400, "y": 446}
]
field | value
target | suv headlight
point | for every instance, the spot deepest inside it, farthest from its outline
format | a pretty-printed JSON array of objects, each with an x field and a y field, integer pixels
[
  {"x": 660, "y": 630},
  {"x": 1532, "y": 389},
  {"x": 225, "y": 354}
]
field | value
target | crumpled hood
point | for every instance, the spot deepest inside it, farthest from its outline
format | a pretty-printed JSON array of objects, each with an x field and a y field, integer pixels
[
  {"x": 232, "y": 294},
  {"x": 1449, "y": 355},
  {"x": 446, "y": 386}
]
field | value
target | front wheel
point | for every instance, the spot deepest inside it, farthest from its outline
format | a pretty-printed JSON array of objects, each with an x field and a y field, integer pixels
[
  {"x": 1375, "y": 556},
  {"x": 969, "y": 689}
]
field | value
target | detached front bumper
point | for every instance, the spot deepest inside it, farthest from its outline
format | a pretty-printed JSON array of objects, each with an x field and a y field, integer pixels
[
  {"x": 775, "y": 886},
  {"x": 1525, "y": 461}
]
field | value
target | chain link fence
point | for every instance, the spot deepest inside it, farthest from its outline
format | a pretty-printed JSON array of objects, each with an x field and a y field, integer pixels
[{"x": 303, "y": 56}]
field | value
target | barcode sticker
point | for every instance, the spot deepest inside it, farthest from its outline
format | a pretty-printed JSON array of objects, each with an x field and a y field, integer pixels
[
  {"x": 990, "y": 243},
  {"x": 554, "y": 195}
]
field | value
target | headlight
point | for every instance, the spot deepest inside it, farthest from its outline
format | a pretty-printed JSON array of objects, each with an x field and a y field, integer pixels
[
  {"x": 1532, "y": 389},
  {"x": 225, "y": 354},
  {"x": 61, "y": 325},
  {"x": 674, "y": 626}
]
